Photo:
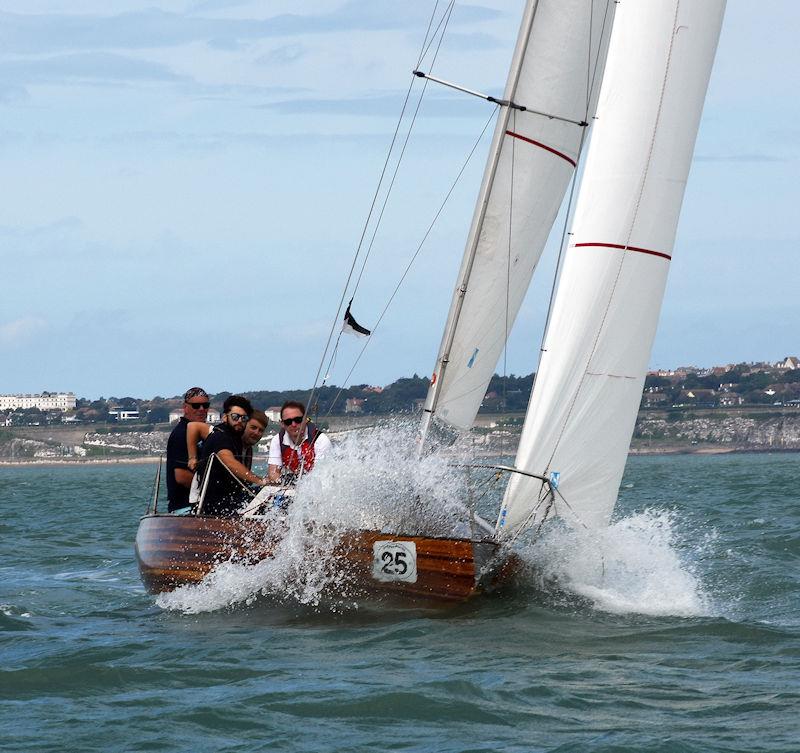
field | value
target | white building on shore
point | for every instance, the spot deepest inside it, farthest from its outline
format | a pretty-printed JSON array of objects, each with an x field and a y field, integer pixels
[
  {"x": 213, "y": 416},
  {"x": 63, "y": 401}
]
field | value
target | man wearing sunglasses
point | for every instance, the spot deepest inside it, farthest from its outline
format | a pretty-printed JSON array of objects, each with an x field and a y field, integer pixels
[
  {"x": 296, "y": 447},
  {"x": 224, "y": 492},
  {"x": 179, "y": 477}
]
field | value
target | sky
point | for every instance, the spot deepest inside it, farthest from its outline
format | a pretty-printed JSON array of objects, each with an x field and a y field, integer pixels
[{"x": 186, "y": 182}]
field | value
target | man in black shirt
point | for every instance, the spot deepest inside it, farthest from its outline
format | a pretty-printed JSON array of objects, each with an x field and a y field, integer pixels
[
  {"x": 179, "y": 477},
  {"x": 223, "y": 459}
]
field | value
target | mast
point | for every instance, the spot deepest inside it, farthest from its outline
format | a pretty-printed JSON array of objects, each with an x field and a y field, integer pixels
[
  {"x": 604, "y": 316},
  {"x": 549, "y": 98},
  {"x": 467, "y": 263}
]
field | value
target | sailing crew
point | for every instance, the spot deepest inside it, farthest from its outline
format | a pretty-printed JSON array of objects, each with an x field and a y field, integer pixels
[
  {"x": 223, "y": 459},
  {"x": 296, "y": 447},
  {"x": 179, "y": 476},
  {"x": 197, "y": 432}
]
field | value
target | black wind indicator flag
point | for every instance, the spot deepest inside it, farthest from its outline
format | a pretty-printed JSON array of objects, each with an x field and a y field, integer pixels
[{"x": 352, "y": 326}]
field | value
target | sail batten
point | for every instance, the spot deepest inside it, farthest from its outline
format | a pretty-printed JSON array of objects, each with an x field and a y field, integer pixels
[
  {"x": 557, "y": 68},
  {"x": 604, "y": 315},
  {"x": 623, "y": 247},
  {"x": 542, "y": 146}
]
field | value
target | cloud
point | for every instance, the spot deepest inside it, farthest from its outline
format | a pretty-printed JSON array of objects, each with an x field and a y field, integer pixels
[
  {"x": 382, "y": 105},
  {"x": 283, "y": 55},
  {"x": 474, "y": 41},
  {"x": 98, "y": 66},
  {"x": 738, "y": 158},
  {"x": 212, "y": 6},
  {"x": 13, "y": 94},
  {"x": 21, "y": 330},
  {"x": 153, "y": 28},
  {"x": 57, "y": 228},
  {"x": 61, "y": 239}
]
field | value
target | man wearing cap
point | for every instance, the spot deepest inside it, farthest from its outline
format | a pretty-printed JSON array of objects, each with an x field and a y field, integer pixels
[{"x": 179, "y": 477}]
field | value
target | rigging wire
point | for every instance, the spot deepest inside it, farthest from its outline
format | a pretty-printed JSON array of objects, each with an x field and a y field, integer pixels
[
  {"x": 388, "y": 194},
  {"x": 443, "y": 22},
  {"x": 446, "y": 15},
  {"x": 508, "y": 272},
  {"x": 369, "y": 213},
  {"x": 414, "y": 256},
  {"x": 402, "y": 154}
]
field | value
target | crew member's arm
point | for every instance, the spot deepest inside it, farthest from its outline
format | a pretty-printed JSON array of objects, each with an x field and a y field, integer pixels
[
  {"x": 239, "y": 469},
  {"x": 196, "y": 431},
  {"x": 322, "y": 446},
  {"x": 275, "y": 462},
  {"x": 184, "y": 477}
]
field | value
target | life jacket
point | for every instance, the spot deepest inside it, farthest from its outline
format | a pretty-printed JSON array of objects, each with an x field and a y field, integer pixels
[{"x": 304, "y": 456}]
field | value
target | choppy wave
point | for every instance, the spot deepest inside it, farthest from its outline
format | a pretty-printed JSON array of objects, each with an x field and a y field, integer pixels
[
  {"x": 636, "y": 565},
  {"x": 92, "y": 664}
]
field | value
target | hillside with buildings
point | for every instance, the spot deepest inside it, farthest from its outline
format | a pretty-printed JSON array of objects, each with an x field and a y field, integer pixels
[{"x": 738, "y": 406}]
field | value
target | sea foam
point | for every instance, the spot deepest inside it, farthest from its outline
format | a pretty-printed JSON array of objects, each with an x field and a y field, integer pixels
[{"x": 635, "y": 565}]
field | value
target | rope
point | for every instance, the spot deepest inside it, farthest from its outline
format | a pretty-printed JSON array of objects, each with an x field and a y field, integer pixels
[
  {"x": 508, "y": 273},
  {"x": 336, "y": 318},
  {"x": 413, "y": 259},
  {"x": 156, "y": 487},
  {"x": 447, "y": 13},
  {"x": 211, "y": 458}
]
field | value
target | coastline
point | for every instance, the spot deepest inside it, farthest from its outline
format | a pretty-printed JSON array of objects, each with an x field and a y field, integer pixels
[
  {"x": 711, "y": 450},
  {"x": 634, "y": 451},
  {"x": 39, "y": 462}
]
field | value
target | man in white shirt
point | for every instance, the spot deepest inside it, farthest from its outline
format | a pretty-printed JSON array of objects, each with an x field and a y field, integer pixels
[{"x": 296, "y": 447}]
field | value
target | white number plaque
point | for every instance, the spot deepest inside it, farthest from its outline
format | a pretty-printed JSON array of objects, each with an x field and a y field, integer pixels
[{"x": 394, "y": 560}]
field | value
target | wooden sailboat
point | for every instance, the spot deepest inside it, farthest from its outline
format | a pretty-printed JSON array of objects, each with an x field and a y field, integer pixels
[
  {"x": 603, "y": 317},
  {"x": 176, "y": 550}
]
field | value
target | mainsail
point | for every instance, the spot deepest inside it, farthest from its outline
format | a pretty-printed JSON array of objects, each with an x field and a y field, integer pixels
[
  {"x": 555, "y": 76},
  {"x": 603, "y": 321}
]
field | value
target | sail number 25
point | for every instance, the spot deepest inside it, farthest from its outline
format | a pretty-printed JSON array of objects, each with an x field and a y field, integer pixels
[{"x": 394, "y": 560}]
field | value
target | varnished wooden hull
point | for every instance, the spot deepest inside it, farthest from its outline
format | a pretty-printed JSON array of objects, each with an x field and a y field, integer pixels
[{"x": 173, "y": 551}]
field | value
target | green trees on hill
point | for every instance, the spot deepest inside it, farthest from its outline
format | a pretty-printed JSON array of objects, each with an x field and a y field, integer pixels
[
  {"x": 743, "y": 384},
  {"x": 509, "y": 393}
]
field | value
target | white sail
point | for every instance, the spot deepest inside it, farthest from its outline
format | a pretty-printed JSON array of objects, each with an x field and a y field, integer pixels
[
  {"x": 592, "y": 368},
  {"x": 556, "y": 70}
]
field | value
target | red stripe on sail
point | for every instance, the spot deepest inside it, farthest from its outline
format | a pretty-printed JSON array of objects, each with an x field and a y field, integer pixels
[
  {"x": 542, "y": 146},
  {"x": 626, "y": 248}
]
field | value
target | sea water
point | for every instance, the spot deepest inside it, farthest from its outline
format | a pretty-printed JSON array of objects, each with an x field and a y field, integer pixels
[{"x": 677, "y": 629}]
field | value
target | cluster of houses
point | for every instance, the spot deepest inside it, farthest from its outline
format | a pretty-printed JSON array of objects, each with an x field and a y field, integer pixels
[
  {"x": 669, "y": 388},
  {"x": 719, "y": 386},
  {"x": 213, "y": 417}
]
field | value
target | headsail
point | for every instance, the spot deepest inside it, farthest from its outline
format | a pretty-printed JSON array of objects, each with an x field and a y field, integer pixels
[
  {"x": 591, "y": 373},
  {"x": 556, "y": 70}
]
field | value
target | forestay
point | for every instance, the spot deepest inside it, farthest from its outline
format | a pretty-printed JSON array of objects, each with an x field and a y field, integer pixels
[
  {"x": 556, "y": 70},
  {"x": 591, "y": 373}
]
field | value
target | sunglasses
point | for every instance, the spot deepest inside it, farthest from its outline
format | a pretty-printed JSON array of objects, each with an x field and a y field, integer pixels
[
  {"x": 236, "y": 417},
  {"x": 199, "y": 406},
  {"x": 290, "y": 421}
]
